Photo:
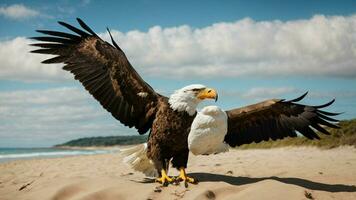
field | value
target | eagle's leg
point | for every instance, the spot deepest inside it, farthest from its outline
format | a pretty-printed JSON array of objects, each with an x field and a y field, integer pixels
[
  {"x": 183, "y": 177},
  {"x": 179, "y": 162},
  {"x": 164, "y": 179}
]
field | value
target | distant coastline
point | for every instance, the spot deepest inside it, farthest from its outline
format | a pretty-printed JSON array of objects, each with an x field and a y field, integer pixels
[{"x": 103, "y": 141}]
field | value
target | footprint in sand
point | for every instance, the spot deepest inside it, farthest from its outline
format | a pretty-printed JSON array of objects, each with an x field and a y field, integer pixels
[
  {"x": 209, "y": 194},
  {"x": 229, "y": 172}
]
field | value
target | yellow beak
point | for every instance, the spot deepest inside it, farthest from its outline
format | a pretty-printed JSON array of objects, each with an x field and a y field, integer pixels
[{"x": 208, "y": 93}]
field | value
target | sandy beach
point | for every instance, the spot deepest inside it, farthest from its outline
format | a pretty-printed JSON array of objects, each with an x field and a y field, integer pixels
[{"x": 284, "y": 173}]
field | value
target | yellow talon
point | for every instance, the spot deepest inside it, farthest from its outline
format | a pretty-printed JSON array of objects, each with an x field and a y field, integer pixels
[
  {"x": 183, "y": 177},
  {"x": 164, "y": 179}
]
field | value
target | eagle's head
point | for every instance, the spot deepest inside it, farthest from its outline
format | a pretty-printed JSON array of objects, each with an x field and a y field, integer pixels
[{"x": 188, "y": 98}]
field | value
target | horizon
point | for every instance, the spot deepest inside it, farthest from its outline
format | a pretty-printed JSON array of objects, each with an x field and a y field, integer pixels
[{"x": 248, "y": 51}]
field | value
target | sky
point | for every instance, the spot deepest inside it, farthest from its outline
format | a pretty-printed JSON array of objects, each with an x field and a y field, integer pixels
[{"x": 248, "y": 51}]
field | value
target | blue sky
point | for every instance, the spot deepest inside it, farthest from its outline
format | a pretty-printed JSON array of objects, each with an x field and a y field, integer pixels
[{"x": 247, "y": 50}]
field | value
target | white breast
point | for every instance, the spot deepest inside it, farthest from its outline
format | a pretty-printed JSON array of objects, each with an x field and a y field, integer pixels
[{"x": 208, "y": 131}]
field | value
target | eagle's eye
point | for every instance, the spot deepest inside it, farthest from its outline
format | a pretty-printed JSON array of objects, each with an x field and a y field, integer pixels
[{"x": 196, "y": 90}]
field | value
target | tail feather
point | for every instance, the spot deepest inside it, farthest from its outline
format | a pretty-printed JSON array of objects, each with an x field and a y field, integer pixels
[{"x": 136, "y": 158}]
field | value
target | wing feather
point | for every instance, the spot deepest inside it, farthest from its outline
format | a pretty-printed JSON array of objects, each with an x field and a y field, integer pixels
[
  {"x": 103, "y": 70},
  {"x": 276, "y": 119},
  {"x": 74, "y": 29},
  {"x": 60, "y": 34}
]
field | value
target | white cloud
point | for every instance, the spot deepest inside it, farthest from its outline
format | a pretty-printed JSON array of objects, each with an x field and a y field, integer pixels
[
  {"x": 49, "y": 96},
  {"x": 52, "y": 116},
  {"x": 17, "y": 63},
  {"x": 58, "y": 105},
  {"x": 320, "y": 46},
  {"x": 18, "y": 12}
]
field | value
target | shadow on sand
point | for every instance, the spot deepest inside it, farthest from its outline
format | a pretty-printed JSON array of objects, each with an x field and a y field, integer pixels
[{"x": 208, "y": 177}]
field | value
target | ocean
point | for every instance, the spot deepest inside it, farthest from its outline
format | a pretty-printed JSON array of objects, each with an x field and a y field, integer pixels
[{"x": 8, "y": 154}]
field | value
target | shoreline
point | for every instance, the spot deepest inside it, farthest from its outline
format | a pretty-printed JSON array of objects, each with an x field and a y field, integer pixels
[
  {"x": 93, "y": 147},
  {"x": 18, "y": 154}
]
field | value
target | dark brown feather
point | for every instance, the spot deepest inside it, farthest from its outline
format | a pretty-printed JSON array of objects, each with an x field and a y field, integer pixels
[
  {"x": 86, "y": 27},
  {"x": 112, "y": 39},
  {"x": 74, "y": 29},
  {"x": 59, "y": 34},
  {"x": 104, "y": 71},
  {"x": 53, "y": 39},
  {"x": 277, "y": 119},
  {"x": 57, "y": 59},
  {"x": 49, "y": 45}
]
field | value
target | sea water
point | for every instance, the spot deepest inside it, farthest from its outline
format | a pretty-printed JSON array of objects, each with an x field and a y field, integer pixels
[{"x": 8, "y": 154}]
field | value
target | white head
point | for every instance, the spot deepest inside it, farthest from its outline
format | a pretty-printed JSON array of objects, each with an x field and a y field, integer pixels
[{"x": 188, "y": 98}]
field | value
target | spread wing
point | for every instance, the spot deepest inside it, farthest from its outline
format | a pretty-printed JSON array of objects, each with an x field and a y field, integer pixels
[
  {"x": 276, "y": 119},
  {"x": 104, "y": 71}
]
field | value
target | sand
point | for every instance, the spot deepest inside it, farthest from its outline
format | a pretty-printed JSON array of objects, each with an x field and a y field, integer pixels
[{"x": 284, "y": 173}]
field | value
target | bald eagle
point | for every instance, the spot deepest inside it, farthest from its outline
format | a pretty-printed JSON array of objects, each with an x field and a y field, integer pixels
[{"x": 173, "y": 123}]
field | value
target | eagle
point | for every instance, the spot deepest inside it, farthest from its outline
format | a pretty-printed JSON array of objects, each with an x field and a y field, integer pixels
[{"x": 175, "y": 126}]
